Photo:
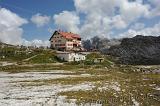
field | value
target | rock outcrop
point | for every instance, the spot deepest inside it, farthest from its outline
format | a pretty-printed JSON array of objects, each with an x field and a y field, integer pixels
[{"x": 144, "y": 50}]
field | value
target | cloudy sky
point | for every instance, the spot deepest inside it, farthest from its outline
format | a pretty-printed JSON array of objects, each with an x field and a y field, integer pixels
[{"x": 31, "y": 22}]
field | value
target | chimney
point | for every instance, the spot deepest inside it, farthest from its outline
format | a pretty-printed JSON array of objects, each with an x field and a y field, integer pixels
[{"x": 59, "y": 30}]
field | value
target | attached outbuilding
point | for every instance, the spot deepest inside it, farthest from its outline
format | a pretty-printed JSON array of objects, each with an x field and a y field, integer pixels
[{"x": 71, "y": 56}]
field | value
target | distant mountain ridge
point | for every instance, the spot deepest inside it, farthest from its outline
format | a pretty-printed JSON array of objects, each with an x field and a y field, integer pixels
[
  {"x": 140, "y": 49},
  {"x": 6, "y": 45}
]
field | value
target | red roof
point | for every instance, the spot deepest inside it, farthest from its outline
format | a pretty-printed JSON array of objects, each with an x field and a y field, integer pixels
[{"x": 69, "y": 35}]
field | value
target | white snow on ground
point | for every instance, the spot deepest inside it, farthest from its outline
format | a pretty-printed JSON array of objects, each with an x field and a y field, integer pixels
[
  {"x": 157, "y": 88},
  {"x": 135, "y": 102},
  {"x": 34, "y": 75},
  {"x": 86, "y": 75},
  {"x": 83, "y": 86},
  {"x": 6, "y": 63},
  {"x": 12, "y": 93},
  {"x": 112, "y": 85}
]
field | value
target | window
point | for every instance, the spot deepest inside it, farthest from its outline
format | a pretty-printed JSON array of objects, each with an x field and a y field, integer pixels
[
  {"x": 58, "y": 44},
  {"x": 69, "y": 40},
  {"x": 62, "y": 44},
  {"x": 69, "y": 44}
]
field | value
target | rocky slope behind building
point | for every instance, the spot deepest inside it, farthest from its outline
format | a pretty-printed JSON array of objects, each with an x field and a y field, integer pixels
[{"x": 140, "y": 49}]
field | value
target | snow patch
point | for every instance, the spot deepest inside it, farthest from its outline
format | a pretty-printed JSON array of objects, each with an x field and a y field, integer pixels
[
  {"x": 6, "y": 63},
  {"x": 113, "y": 85},
  {"x": 82, "y": 86},
  {"x": 135, "y": 102},
  {"x": 12, "y": 93},
  {"x": 157, "y": 88}
]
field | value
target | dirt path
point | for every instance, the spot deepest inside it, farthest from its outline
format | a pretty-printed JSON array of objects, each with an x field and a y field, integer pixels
[
  {"x": 30, "y": 57},
  {"x": 46, "y": 64}
]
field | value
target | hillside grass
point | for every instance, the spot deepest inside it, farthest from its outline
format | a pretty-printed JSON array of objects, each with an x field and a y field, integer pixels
[
  {"x": 29, "y": 56},
  {"x": 44, "y": 57},
  {"x": 14, "y": 54}
]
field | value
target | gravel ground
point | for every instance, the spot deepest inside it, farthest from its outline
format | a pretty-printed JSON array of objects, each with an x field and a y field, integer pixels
[{"x": 12, "y": 93}]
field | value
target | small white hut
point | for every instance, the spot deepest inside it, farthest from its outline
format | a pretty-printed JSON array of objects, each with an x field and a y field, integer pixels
[{"x": 71, "y": 56}]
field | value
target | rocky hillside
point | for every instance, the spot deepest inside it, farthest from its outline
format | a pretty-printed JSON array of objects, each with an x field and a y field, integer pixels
[
  {"x": 99, "y": 43},
  {"x": 137, "y": 50}
]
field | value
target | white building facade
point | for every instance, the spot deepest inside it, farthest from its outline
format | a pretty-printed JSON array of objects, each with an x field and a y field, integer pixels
[
  {"x": 65, "y": 41},
  {"x": 71, "y": 56}
]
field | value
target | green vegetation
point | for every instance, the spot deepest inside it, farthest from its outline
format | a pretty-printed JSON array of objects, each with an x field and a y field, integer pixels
[
  {"x": 131, "y": 86},
  {"x": 47, "y": 56},
  {"x": 15, "y": 54},
  {"x": 110, "y": 86},
  {"x": 48, "y": 66},
  {"x": 23, "y": 55},
  {"x": 93, "y": 56},
  {"x": 28, "y": 55}
]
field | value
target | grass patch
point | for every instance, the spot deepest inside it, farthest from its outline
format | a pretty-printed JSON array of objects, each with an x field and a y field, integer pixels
[
  {"x": 44, "y": 57},
  {"x": 133, "y": 85}
]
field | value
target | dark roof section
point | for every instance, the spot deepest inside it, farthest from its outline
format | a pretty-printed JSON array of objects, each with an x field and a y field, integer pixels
[{"x": 67, "y": 35}]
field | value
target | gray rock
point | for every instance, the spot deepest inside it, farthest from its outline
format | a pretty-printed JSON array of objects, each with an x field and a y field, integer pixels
[{"x": 140, "y": 49}]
